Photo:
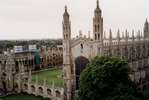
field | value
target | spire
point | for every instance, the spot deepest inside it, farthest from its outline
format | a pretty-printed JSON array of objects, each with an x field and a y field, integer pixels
[
  {"x": 123, "y": 35},
  {"x": 66, "y": 12},
  {"x": 66, "y": 25},
  {"x": 146, "y": 20},
  {"x": 126, "y": 34},
  {"x": 146, "y": 29},
  {"x": 98, "y": 10},
  {"x": 139, "y": 34},
  {"x": 146, "y": 23},
  {"x": 97, "y": 3},
  {"x": 133, "y": 37},
  {"x": 118, "y": 34},
  {"x": 110, "y": 35},
  {"x": 65, "y": 8}
]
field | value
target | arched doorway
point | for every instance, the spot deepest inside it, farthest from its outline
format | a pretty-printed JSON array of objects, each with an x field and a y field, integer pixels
[{"x": 80, "y": 64}]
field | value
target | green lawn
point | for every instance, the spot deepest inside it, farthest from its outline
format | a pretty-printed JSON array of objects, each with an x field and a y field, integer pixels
[
  {"x": 52, "y": 75},
  {"x": 21, "y": 97}
]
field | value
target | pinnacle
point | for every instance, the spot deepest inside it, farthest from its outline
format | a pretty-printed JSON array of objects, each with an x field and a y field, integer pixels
[
  {"x": 65, "y": 7},
  {"x": 97, "y": 3},
  {"x": 146, "y": 20}
]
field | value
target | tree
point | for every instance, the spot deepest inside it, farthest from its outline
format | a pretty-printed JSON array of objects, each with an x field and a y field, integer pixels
[{"x": 106, "y": 78}]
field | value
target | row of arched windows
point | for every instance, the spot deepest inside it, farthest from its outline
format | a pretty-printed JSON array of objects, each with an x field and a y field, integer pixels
[
  {"x": 97, "y": 28},
  {"x": 97, "y": 36}
]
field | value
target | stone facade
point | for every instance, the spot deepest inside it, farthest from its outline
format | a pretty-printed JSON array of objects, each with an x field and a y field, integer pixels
[
  {"x": 52, "y": 57},
  {"x": 134, "y": 48},
  {"x": 37, "y": 89}
]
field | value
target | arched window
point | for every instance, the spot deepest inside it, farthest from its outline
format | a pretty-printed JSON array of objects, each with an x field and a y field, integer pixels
[
  {"x": 40, "y": 90},
  {"x": 58, "y": 94},
  {"x": 98, "y": 28},
  {"x": 95, "y": 28},
  {"x": 25, "y": 86},
  {"x": 95, "y": 37},
  {"x": 81, "y": 46},
  {"x": 49, "y": 92},
  {"x": 98, "y": 36},
  {"x": 66, "y": 36},
  {"x": 33, "y": 88}
]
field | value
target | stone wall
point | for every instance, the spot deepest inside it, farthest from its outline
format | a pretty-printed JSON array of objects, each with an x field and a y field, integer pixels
[{"x": 52, "y": 93}]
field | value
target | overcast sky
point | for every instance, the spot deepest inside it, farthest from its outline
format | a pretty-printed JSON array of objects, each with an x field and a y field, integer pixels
[{"x": 35, "y": 19}]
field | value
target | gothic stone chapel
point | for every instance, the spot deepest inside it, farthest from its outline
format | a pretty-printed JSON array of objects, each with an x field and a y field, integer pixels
[{"x": 78, "y": 51}]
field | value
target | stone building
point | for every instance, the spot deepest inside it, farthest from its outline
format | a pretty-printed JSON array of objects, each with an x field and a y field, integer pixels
[
  {"x": 15, "y": 73},
  {"x": 16, "y": 79},
  {"x": 52, "y": 57},
  {"x": 7, "y": 72},
  {"x": 10, "y": 68},
  {"x": 77, "y": 52}
]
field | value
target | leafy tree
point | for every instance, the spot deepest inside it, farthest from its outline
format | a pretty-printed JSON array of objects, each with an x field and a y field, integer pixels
[{"x": 106, "y": 78}]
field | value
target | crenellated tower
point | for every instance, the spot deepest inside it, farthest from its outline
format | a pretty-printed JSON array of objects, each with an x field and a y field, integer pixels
[
  {"x": 67, "y": 63},
  {"x": 146, "y": 29},
  {"x": 98, "y": 24}
]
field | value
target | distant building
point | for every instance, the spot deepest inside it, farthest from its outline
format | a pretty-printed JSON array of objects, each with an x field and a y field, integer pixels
[{"x": 25, "y": 48}]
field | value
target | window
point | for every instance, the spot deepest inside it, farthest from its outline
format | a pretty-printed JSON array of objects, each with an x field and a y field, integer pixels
[
  {"x": 81, "y": 48},
  {"x": 95, "y": 37},
  {"x": 95, "y": 28}
]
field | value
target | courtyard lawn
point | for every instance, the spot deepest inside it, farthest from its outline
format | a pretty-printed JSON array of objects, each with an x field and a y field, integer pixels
[
  {"x": 21, "y": 97},
  {"x": 51, "y": 75}
]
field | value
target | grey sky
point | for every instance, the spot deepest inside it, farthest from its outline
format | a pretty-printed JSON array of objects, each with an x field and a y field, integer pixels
[{"x": 26, "y": 19}]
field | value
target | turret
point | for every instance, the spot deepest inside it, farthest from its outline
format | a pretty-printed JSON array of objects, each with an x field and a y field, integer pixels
[
  {"x": 98, "y": 24},
  {"x": 126, "y": 36},
  {"x": 146, "y": 29},
  {"x": 139, "y": 35},
  {"x": 123, "y": 35},
  {"x": 67, "y": 63},
  {"x": 97, "y": 11},
  {"x": 110, "y": 36},
  {"x": 133, "y": 37},
  {"x": 118, "y": 35},
  {"x": 66, "y": 25}
]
